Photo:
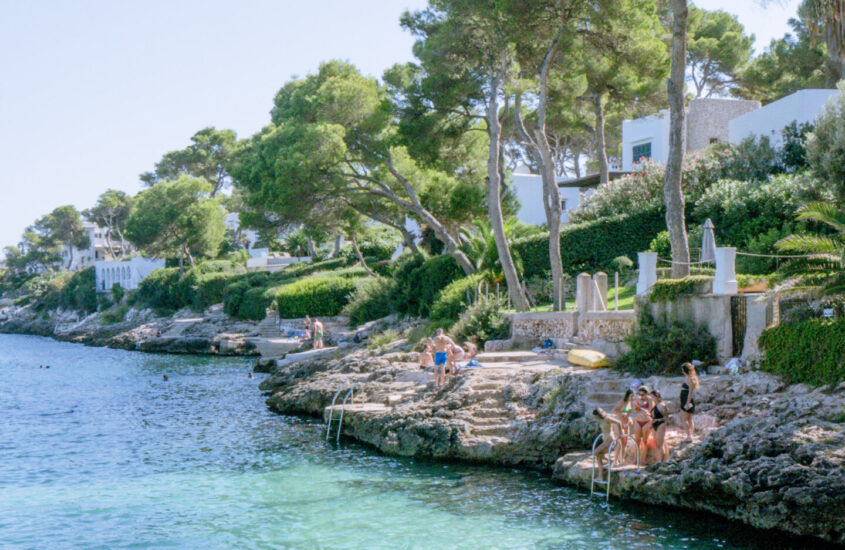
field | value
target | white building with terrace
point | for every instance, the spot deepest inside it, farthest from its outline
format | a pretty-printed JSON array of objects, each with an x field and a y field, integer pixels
[{"x": 127, "y": 274}]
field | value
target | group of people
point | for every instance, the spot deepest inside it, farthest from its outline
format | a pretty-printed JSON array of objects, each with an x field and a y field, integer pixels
[
  {"x": 642, "y": 415},
  {"x": 442, "y": 352},
  {"x": 317, "y": 338}
]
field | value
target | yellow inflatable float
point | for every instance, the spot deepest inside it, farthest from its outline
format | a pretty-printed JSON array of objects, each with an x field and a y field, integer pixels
[{"x": 588, "y": 358}]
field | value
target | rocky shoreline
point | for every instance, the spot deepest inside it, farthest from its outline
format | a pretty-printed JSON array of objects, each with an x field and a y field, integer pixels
[
  {"x": 209, "y": 333},
  {"x": 768, "y": 455}
]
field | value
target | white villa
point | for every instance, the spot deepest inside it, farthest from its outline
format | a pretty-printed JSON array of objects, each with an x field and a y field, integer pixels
[
  {"x": 97, "y": 250},
  {"x": 711, "y": 120},
  {"x": 127, "y": 273},
  {"x": 529, "y": 190}
]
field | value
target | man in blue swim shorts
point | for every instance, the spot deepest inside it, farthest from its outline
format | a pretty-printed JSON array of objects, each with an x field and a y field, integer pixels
[{"x": 442, "y": 344}]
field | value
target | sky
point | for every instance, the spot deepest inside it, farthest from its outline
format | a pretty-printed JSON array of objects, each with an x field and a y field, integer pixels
[{"x": 94, "y": 92}]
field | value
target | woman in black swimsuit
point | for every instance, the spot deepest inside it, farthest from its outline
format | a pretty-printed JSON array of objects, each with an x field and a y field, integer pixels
[
  {"x": 687, "y": 402},
  {"x": 659, "y": 414}
]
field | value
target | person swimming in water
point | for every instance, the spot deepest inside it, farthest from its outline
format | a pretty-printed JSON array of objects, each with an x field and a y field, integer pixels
[{"x": 164, "y": 378}]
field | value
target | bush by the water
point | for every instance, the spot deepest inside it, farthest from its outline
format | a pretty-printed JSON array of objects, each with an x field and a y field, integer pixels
[
  {"x": 314, "y": 296},
  {"x": 592, "y": 246},
  {"x": 481, "y": 322},
  {"x": 371, "y": 300},
  {"x": 454, "y": 299},
  {"x": 658, "y": 349},
  {"x": 419, "y": 280},
  {"x": 80, "y": 291},
  {"x": 811, "y": 352},
  {"x": 167, "y": 290}
]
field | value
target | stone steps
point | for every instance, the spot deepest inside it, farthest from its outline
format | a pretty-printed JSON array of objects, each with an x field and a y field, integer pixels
[
  {"x": 501, "y": 430},
  {"x": 490, "y": 412},
  {"x": 481, "y": 395},
  {"x": 508, "y": 357},
  {"x": 489, "y": 421}
]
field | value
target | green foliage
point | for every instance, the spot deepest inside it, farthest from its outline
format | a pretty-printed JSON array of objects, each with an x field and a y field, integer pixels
[
  {"x": 481, "y": 322},
  {"x": 592, "y": 246},
  {"x": 165, "y": 290},
  {"x": 255, "y": 302},
  {"x": 825, "y": 265},
  {"x": 117, "y": 293},
  {"x": 383, "y": 338},
  {"x": 717, "y": 49},
  {"x": 826, "y": 145},
  {"x": 210, "y": 289},
  {"x": 419, "y": 280},
  {"x": 314, "y": 296},
  {"x": 114, "y": 314},
  {"x": 668, "y": 290},
  {"x": 371, "y": 300},
  {"x": 657, "y": 349},
  {"x": 811, "y": 352},
  {"x": 455, "y": 297},
  {"x": 234, "y": 291},
  {"x": 80, "y": 291}
]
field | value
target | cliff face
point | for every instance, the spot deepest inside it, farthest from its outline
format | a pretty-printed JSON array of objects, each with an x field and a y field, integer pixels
[{"x": 768, "y": 455}]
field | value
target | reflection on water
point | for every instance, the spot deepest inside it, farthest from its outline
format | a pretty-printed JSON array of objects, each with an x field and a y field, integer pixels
[{"x": 100, "y": 452}]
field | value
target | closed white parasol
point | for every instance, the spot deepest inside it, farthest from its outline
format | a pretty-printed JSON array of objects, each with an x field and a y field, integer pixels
[{"x": 708, "y": 242}]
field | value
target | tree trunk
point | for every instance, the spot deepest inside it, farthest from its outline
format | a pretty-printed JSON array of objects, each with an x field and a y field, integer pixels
[
  {"x": 673, "y": 195},
  {"x": 69, "y": 255},
  {"x": 310, "y": 243},
  {"x": 834, "y": 21},
  {"x": 338, "y": 241},
  {"x": 122, "y": 241},
  {"x": 576, "y": 156},
  {"x": 360, "y": 256},
  {"x": 494, "y": 198},
  {"x": 601, "y": 142}
]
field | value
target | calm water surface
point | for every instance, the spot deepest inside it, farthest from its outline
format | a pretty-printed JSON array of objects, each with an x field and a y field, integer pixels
[{"x": 99, "y": 452}]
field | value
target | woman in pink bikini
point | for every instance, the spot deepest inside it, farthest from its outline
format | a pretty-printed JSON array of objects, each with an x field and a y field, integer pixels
[{"x": 642, "y": 421}]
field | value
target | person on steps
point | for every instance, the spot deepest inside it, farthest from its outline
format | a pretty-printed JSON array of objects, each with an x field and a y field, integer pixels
[
  {"x": 659, "y": 415},
  {"x": 318, "y": 334},
  {"x": 611, "y": 429},
  {"x": 442, "y": 347},
  {"x": 623, "y": 411},
  {"x": 687, "y": 402},
  {"x": 642, "y": 421},
  {"x": 426, "y": 358}
]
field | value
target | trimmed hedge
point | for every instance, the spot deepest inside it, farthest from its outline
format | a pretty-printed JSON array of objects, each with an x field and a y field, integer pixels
[
  {"x": 255, "y": 302},
  {"x": 164, "y": 289},
  {"x": 452, "y": 300},
  {"x": 210, "y": 288},
  {"x": 592, "y": 246},
  {"x": 811, "y": 352},
  {"x": 314, "y": 296},
  {"x": 668, "y": 290},
  {"x": 233, "y": 293},
  {"x": 420, "y": 280}
]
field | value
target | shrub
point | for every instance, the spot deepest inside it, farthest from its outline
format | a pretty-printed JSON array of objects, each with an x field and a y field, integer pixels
[
  {"x": 668, "y": 290},
  {"x": 826, "y": 145},
  {"x": 165, "y": 289},
  {"x": 592, "y": 246},
  {"x": 314, "y": 296},
  {"x": 220, "y": 266},
  {"x": 382, "y": 339},
  {"x": 419, "y": 280},
  {"x": 114, "y": 314},
  {"x": 80, "y": 291},
  {"x": 657, "y": 349},
  {"x": 811, "y": 352},
  {"x": 371, "y": 300},
  {"x": 255, "y": 302},
  {"x": 481, "y": 322},
  {"x": 117, "y": 293},
  {"x": 211, "y": 288},
  {"x": 233, "y": 292},
  {"x": 453, "y": 299}
]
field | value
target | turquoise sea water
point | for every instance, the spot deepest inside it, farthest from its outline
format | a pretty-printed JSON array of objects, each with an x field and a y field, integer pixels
[{"x": 99, "y": 451}]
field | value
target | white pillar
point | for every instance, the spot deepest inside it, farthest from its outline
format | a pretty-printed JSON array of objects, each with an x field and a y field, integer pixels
[
  {"x": 583, "y": 293},
  {"x": 600, "y": 291},
  {"x": 725, "y": 281},
  {"x": 648, "y": 271}
]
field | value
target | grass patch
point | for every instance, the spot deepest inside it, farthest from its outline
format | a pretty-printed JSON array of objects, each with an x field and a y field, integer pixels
[{"x": 383, "y": 338}]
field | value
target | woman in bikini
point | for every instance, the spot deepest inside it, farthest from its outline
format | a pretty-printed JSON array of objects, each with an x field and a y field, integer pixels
[
  {"x": 642, "y": 420},
  {"x": 611, "y": 429},
  {"x": 659, "y": 415},
  {"x": 687, "y": 402},
  {"x": 623, "y": 410}
]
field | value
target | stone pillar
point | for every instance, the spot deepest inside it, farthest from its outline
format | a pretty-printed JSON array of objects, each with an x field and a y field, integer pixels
[
  {"x": 583, "y": 293},
  {"x": 725, "y": 281},
  {"x": 648, "y": 271},
  {"x": 600, "y": 296}
]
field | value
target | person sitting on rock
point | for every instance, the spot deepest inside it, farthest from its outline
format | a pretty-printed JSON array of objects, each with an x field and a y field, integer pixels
[
  {"x": 623, "y": 411},
  {"x": 642, "y": 407},
  {"x": 426, "y": 358},
  {"x": 611, "y": 429},
  {"x": 471, "y": 352},
  {"x": 687, "y": 403},
  {"x": 455, "y": 353},
  {"x": 659, "y": 415},
  {"x": 442, "y": 347}
]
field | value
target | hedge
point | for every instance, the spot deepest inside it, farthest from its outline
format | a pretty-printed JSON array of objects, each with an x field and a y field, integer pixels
[
  {"x": 811, "y": 352},
  {"x": 164, "y": 289},
  {"x": 592, "y": 246},
  {"x": 314, "y": 296},
  {"x": 255, "y": 302},
  {"x": 668, "y": 290},
  {"x": 452, "y": 300},
  {"x": 80, "y": 291},
  {"x": 420, "y": 280},
  {"x": 233, "y": 293},
  {"x": 211, "y": 288},
  {"x": 371, "y": 300}
]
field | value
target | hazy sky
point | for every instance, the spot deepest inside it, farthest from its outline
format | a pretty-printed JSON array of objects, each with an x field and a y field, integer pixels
[{"x": 92, "y": 93}]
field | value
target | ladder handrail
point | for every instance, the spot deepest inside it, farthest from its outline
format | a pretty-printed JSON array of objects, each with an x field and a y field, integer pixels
[
  {"x": 343, "y": 409},
  {"x": 350, "y": 389},
  {"x": 610, "y": 461}
]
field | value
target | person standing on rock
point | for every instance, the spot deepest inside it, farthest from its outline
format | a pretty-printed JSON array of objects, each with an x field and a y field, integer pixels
[
  {"x": 318, "y": 334},
  {"x": 611, "y": 429},
  {"x": 642, "y": 421},
  {"x": 623, "y": 411},
  {"x": 442, "y": 348},
  {"x": 659, "y": 414},
  {"x": 687, "y": 403}
]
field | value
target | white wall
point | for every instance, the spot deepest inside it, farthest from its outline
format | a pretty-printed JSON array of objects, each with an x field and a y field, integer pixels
[
  {"x": 128, "y": 274},
  {"x": 529, "y": 191},
  {"x": 802, "y": 106},
  {"x": 654, "y": 129}
]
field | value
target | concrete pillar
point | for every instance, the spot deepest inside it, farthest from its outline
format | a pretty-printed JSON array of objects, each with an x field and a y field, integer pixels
[
  {"x": 583, "y": 293},
  {"x": 725, "y": 281},
  {"x": 600, "y": 291},
  {"x": 648, "y": 271}
]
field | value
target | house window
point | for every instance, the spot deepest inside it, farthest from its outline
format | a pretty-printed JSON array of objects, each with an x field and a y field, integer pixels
[
  {"x": 642, "y": 151},
  {"x": 563, "y": 205},
  {"x": 714, "y": 140}
]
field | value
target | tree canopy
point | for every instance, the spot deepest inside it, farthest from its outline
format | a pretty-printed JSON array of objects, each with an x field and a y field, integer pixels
[{"x": 717, "y": 51}]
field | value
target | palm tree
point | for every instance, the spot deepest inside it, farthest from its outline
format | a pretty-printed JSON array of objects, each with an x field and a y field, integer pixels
[{"x": 825, "y": 260}]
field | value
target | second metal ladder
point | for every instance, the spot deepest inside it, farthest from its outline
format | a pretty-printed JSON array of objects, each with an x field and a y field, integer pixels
[{"x": 350, "y": 395}]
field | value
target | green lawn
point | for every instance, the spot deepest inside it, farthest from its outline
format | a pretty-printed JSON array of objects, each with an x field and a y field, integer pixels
[{"x": 626, "y": 301}]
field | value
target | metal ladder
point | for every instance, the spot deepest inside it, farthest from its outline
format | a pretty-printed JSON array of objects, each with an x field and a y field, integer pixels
[
  {"x": 610, "y": 462},
  {"x": 350, "y": 395}
]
